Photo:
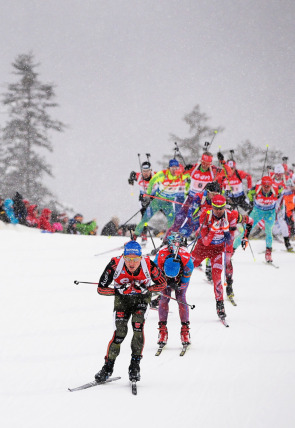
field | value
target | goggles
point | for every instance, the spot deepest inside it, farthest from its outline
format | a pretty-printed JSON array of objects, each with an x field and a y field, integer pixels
[
  {"x": 218, "y": 208},
  {"x": 131, "y": 259}
]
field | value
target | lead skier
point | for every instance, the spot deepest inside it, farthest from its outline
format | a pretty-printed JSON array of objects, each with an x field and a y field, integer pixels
[{"x": 132, "y": 274}]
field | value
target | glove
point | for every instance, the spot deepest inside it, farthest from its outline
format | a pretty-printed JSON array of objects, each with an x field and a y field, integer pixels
[
  {"x": 220, "y": 156},
  {"x": 244, "y": 243},
  {"x": 123, "y": 289},
  {"x": 140, "y": 287},
  {"x": 146, "y": 200},
  {"x": 216, "y": 226},
  {"x": 187, "y": 167},
  {"x": 225, "y": 226},
  {"x": 132, "y": 178}
]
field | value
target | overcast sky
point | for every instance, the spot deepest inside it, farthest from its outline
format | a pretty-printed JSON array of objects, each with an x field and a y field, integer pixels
[{"x": 126, "y": 73}]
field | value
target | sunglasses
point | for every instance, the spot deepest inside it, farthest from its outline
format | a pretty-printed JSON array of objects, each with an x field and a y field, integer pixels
[
  {"x": 218, "y": 208},
  {"x": 131, "y": 259}
]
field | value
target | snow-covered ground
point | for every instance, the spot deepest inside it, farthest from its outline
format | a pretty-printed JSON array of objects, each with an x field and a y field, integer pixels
[{"x": 54, "y": 335}]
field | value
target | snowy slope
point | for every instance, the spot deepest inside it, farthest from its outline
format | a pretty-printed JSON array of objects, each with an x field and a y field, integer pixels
[{"x": 54, "y": 335}]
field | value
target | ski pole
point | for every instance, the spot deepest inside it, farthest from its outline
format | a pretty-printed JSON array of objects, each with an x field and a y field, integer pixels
[
  {"x": 149, "y": 230},
  {"x": 130, "y": 218},
  {"x": 165, "y": 295},
  {"x": 143, "y": 181},
  {"x": 178, "y": 301},
  {"x": 250, "y": 246},
  {"x": 165, "y": 199},
  {"x": 199, "y": 233},
  {"x": 208, "y": 144},
  {"x": 85, "y": 282},
  {"x": 265, "y": 160},
  {"x": 176, "y": 148}
]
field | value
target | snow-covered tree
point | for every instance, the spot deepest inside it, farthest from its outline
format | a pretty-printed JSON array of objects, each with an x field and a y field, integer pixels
[
  {"x": 25, "y": 136},
  {"x": 191, "y": 148},
  {"x": 255, "y": 160}
]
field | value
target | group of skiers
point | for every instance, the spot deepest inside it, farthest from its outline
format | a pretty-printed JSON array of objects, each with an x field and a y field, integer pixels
[{"x": 204, "y": 203}]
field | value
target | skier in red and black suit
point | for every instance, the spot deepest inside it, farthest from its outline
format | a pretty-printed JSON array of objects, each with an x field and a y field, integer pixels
[
  {"x": 133, "y": 275},
  {"x": 215, "y": 237}
]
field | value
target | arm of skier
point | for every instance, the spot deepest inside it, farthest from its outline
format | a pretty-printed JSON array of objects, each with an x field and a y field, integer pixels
[
  {"x": 155, "y": 179},
  {"x": 158, "y": 279},
  {"x": 106, "y": 279}
]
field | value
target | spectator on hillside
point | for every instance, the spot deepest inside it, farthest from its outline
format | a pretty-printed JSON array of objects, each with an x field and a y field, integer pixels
[
  {"x": 65, "y": 223},
  {"x": 32, "y": 217},
  {"x": 55, "y": 221},
  {"x": 3, "y": 215},
  {"x": 19, "y": 208},
  {"x": 77, "y": 227},
  {"x": 8, "y": 207},
  {"x": 44, "y": 221},
  {"x": 111, "y": 228},
  {"x": 73, "y": 223}
]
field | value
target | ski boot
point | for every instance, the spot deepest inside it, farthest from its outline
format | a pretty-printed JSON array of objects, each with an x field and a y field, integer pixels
[
  {"x": 163, "y": 333},
  {"x": 184, "y": 333},
  {"x": 134, "y": 369},
  {"x": 208, "y": 270},
  {"x": 106, "y": 371},
  {"x": 288, "y": 245},
  {"x": 268, "y": 255},
  {"x": 229, "y": 288},
  {"x": 220, "y": 309}
]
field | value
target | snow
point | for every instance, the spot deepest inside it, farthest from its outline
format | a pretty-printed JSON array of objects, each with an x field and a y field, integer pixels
[{"x": 54, "y": 335}]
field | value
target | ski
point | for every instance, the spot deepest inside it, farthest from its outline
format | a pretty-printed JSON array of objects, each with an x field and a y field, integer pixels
[
  {"x": 231, "y": 299},
  {"x": 224, "y": 322},
  {"x": 133, "y": 387},
  {"x": 94, "y": 383},
  {"x": 160, "y": 349},
  {"x": 272, "y": 264},
  {"x": 184, "y": 349}
]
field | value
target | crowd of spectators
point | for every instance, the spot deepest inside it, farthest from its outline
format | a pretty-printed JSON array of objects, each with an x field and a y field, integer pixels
[{"x": 20, "y": 211}]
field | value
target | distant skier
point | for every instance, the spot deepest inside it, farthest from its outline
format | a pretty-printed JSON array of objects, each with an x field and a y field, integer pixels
[
  {"x": 143, "y": 179},
  {"x": 264, "y": 197},
  {"x": 168, "y": 182},
  {"x": 281, "y": 226},
  {"x": 200, "y": 175},
  {"x": 177, "y": 264},
  {"x": 233, "y": 186},
  {"x": 215, "y": 237}
]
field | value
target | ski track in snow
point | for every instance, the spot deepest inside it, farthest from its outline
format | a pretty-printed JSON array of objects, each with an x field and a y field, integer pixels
[{"x": 54, "y": 335}]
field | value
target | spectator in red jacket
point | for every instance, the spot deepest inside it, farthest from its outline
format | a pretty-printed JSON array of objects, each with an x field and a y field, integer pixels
[
  {"x": 32, "y": 217},
  {"x": 44, "y": 220}
]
